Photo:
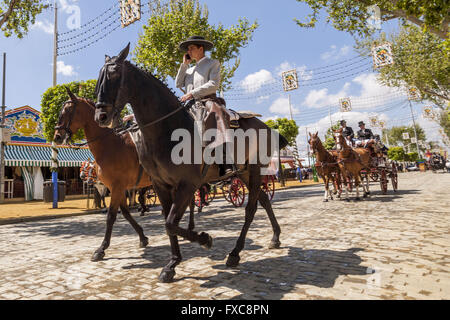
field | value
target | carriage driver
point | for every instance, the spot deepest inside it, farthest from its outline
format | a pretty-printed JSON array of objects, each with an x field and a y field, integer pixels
[
  {"x": 364, "y": 135},
  {"x": 347, "y": 132},
  {"x": 201, "y": 83}
]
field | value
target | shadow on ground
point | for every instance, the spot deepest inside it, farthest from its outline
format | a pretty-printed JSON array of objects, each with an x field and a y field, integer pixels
[{"x": 272, "y": 278}]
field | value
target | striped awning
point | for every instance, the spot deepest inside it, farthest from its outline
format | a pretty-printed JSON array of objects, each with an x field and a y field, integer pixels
[{"x": 40, "y": 156}]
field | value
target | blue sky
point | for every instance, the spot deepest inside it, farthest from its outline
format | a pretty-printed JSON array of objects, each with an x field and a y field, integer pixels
[{"x": 278, "y": 44}]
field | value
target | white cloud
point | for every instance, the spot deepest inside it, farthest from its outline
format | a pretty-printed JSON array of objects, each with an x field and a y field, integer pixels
[
  {"x": 45, "y": 26},
  {"x": 335, "y": 53},
  {"x": 371, "y": 94},
  {"x": 281, "y": 106},
  {"x": 254, "y": 81},
  {"x": 321, "y": 98},
  {"x": 65, "y": 70},
  {"x": 262, "y": 99}
]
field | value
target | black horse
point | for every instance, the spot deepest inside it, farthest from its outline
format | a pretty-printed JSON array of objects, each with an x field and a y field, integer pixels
[{"x": 159, "y": 113}]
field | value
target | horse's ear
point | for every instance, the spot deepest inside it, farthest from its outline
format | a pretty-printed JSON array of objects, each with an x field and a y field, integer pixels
[
  {"x": 309, "y": 134},
  {"x": 316, "y": 134},
  {"x": 107, "y": 58},
  {"x": 124, "y": 53},
  {"x": 70, "y": 93}
]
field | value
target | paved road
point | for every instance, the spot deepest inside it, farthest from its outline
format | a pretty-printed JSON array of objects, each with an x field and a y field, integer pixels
[{"x": 393, "y": 246}]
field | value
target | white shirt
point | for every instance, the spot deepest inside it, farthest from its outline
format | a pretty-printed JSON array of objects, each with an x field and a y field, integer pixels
[{"x": 201, "y": 80}]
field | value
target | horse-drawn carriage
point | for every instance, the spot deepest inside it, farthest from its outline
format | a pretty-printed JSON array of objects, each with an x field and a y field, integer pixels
[
  {"x": 382, "y": 170},
  {"x": 233, "y": 190},
  {"x": 437, "y": 162}
]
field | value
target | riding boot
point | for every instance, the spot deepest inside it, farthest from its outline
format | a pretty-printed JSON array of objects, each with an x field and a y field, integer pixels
[{"x": 228, "y": 167}]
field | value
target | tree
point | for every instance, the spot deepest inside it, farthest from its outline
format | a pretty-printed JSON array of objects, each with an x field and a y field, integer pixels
[
  {"x": 397, "y": 154},
  {"x": 444, "y": 121},
  {"x": 419, "y": 61},
  {"x": 157, "y": 50},
  {"x": 52, "y": 102},
  {"x": 412, "y": 156},
  {"x": 395, "y": 135},
  {"x": 354, "y": 16},
  {"x": 287, "y": 128},
  {"x": 329, "y": 142},
  {"x": 16, "y": 16}
]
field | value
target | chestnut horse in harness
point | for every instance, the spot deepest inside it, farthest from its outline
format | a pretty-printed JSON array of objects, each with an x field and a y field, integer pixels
[
  {"x": 160, "y": 115},
  {"x": 326, "y": 165},
  {"x": 351, "y": 161}
]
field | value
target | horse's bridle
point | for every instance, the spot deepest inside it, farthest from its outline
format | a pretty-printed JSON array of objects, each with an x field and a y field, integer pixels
[
  {"x": 116, "y": 110},
  {"x": 67, "y": 126}
]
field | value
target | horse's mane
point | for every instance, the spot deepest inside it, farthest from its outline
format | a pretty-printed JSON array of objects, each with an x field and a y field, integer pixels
[{"x": 158, "y": 81}]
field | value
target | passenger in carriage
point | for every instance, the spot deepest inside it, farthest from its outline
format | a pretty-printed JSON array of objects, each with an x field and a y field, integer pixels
[
  {"x": 380, "y": 144},
  {"x": 364, "y": 136},
  {"x": 347, "y": 132}
]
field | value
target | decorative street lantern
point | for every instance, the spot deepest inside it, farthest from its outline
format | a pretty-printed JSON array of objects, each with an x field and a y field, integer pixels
[
  {"x": 345, "y": 104},
  {"x": 290, "y": 80},
  {"x": 382, "y": 55},
  {"x": 130, "y": 11}
]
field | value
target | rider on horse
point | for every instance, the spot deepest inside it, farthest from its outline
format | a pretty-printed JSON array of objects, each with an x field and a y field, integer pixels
[{"x": 200, "y": 83}]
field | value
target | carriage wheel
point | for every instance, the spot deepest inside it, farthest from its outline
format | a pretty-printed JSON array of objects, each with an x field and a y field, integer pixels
[
  {"x": 268, "y": 186},
  {"x": 237, "y": 192},
  {"x": 150, "y": 196},
  {"x": 383, "y": 181},
  {"x": 197, "y": 198},
  {"x": 374, "y": 176},
  {"x": 394, "y": 177}
]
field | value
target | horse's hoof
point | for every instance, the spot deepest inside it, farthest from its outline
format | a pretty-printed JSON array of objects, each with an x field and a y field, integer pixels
[
  {"x": 167, "y": 276},
  {"x": 205, "y": 240},
  {"x": 325, "y": 200},
  {"x": 143, "y": 243},
  {"x": 347, "y": 199},
  {"x": 358, "y": 199},
  {"x": 274, "y": 244},
  {"x": 233, "y": 261},
  {"x": 98, "y": 256}
]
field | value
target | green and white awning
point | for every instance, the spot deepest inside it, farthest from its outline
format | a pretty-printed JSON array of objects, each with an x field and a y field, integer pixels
[{"x": 40, "y": 156}]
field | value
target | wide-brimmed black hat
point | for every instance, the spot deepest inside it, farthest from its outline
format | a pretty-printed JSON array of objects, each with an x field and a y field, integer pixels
[
  {"x": 343, "y": 121},
  {"x": 199, "y": 40},
  {"x": 361, "y": 123}
]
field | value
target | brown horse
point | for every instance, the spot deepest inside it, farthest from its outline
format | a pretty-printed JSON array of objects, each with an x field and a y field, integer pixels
[
  {"x": 351, "y": 161},
  {"x": 116, "y": 159},
  {"x": 326, "y": 165},
  {"x": 161, "y": 119}
]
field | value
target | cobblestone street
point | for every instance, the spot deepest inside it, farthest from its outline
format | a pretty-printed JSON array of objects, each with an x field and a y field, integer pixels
[{"x": 393, "y": 246}]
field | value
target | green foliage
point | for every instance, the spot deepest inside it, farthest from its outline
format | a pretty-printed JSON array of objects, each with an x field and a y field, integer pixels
[
  {"x": 16, "y": 16},
  {"x": 412, "y": 157},
  {"x": 157, "y": 49},
  {"x": 52, "y": 102},
  {"x": 419, "y": 61},
  {"x": 395, "y": 135},
  {"x": 287, "y": 128},
  {"x": 444, "y": 121},
  {"x": 329, "y": 142},
  {"x": 397, "y": 154},
  {"x": 353, "y": 17}
]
